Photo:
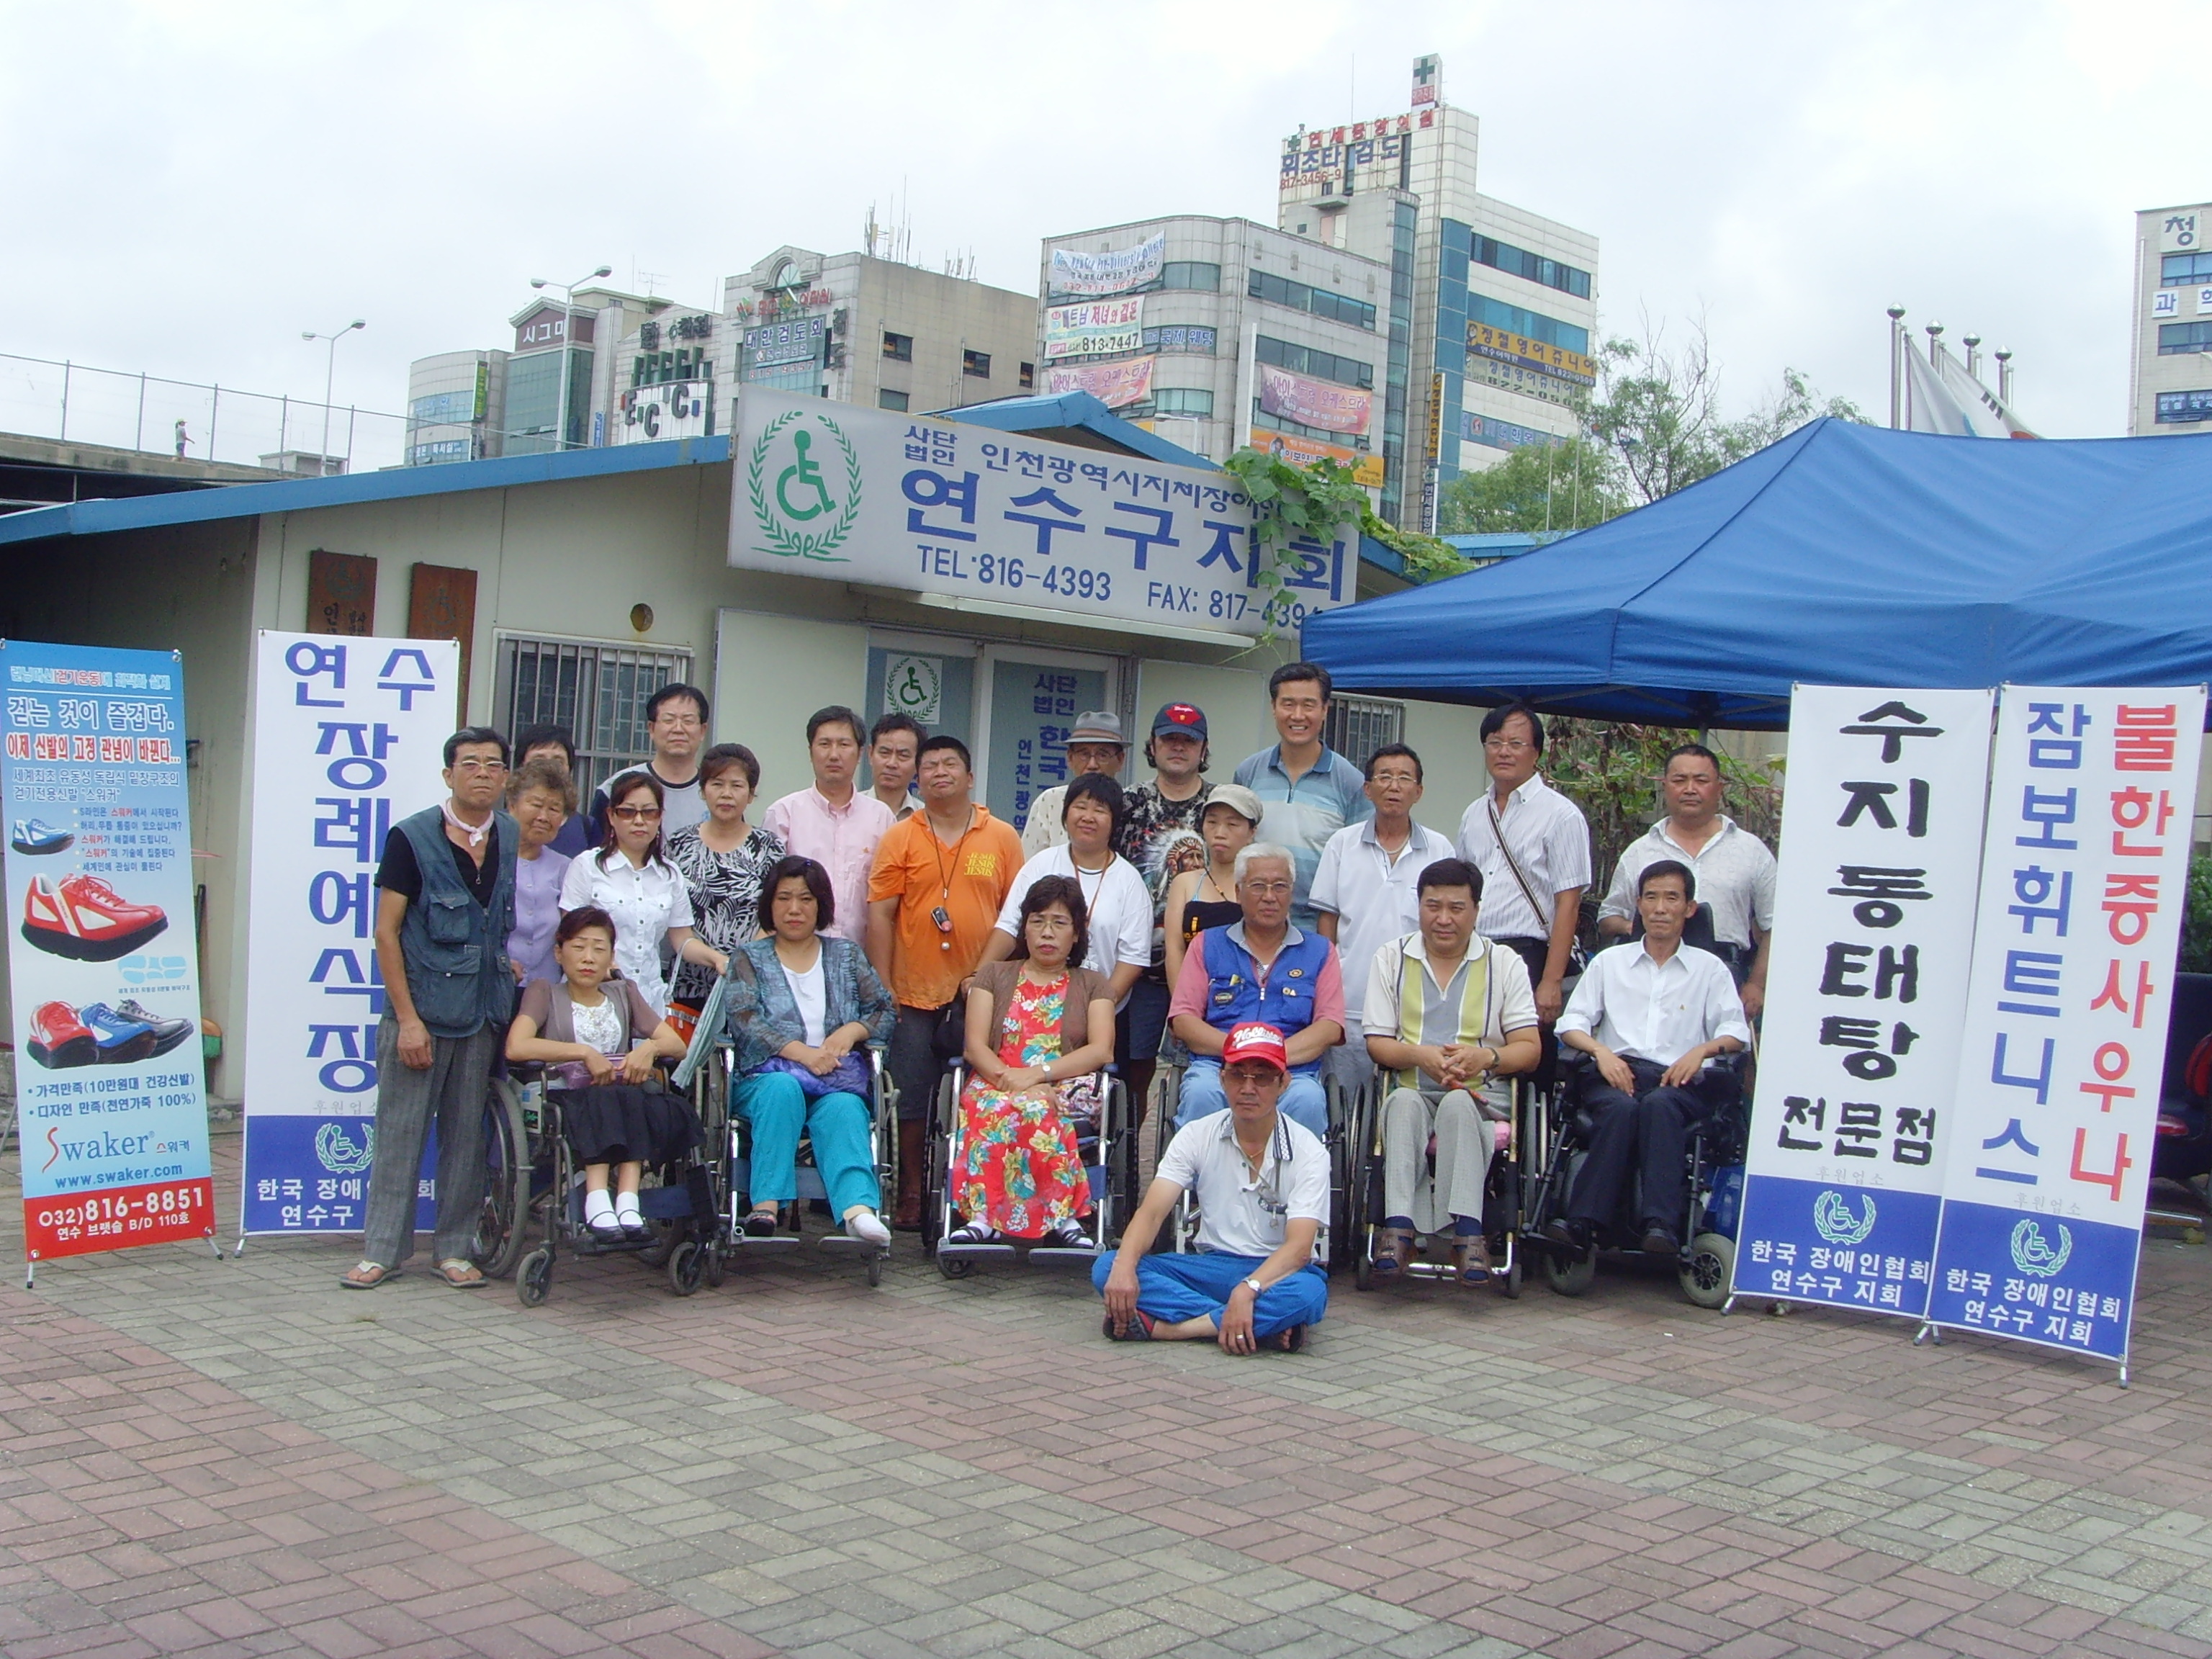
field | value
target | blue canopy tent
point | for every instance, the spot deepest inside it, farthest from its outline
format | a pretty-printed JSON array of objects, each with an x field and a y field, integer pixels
[{"x": 1842, "y": 555}]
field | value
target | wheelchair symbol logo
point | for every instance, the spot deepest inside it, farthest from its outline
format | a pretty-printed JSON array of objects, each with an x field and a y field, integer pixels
[
  {"x": 2031, "y": 1252},
  {"x": 803, "y": 478},
  {"x": 1832, "y": 1218},
  {"x": 339, "y": 1155}
]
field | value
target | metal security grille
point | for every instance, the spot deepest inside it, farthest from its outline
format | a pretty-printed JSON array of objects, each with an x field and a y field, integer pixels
[
  {"x": 1357, "y": 727},
  {"x": 597, "y": 691}
]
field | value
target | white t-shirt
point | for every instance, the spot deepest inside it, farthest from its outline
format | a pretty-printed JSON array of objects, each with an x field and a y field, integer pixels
[
  {"x": 1119, "y": 905},
  {"x": 1373, "y": 897},
  {"x": 605, "y": 1028},
  {"x": 645, "y": 900},
  {"x": 1238, "y": 1213},
  {"x": 808, "y": 990}
]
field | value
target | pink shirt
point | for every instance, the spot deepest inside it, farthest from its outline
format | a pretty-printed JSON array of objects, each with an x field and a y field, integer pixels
[{"x": 842, "y": 840}]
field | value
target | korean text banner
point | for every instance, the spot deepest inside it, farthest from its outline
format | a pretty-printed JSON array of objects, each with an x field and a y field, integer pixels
[
  {"x": 348, "y": 735},
  {"x": 1881, "y": 834},
  {"x": 113, "y": 1107},
  {"x": 2084, "y": 877},
  {"x": 1117, "y": 270},
  {"x": 1115, "y": 385},
  {"x": 1366, "y": 466},
  {"x": 1093, "y": 327},
  {"x": 1315, "y": 403},
  {"x": 1503, "y": 346},
  {"x": 926, "y": 504}
]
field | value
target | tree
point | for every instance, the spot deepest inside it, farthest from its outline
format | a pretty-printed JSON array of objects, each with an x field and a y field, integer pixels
[{"x": 1566, "y": 486}]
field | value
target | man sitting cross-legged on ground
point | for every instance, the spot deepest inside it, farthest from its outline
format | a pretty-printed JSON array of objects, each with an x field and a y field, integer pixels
[
  {"x": 1262, "y": 1186},
  {"x": 1448, "y": 1016},
  {"x": 1653, "y": 1015}
]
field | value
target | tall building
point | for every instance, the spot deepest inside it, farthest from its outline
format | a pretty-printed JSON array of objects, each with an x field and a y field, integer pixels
[
  {"x": 1220, "y": 332},
  {"x": 2170, "y": 384},
  {"x": 1492, "y": 308},
  {"x": 553, "y": 339},
  {"x": 454, "y": 402}
]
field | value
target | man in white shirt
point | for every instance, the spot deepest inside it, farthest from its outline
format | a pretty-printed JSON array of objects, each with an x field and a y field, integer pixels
[
  {"x": 1262, "y": 1187},
  {"x": 1532, "y": 844},
  {"x": 1734, "y": 869},
  {"x": 1653, "y": 1017},
  {"x": 1365, "y": 888},
  {"x": 676, "y": 719},
  {"x": 1095, "y": 744}
]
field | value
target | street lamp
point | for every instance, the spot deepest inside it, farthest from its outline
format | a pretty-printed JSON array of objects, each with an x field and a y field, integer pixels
[
  {"x": 330, "y": 370},
  {"x": 568, "y": 324}
]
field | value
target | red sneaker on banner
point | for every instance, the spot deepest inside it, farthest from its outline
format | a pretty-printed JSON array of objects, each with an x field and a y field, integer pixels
[
  {"x": 82, "y": 916},
  {"x": 59, "y": 1038}
]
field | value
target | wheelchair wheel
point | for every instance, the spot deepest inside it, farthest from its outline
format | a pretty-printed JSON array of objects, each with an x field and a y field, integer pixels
[
  {"x": 500, "y": 1236},
  {"x": 1708, "y": 1269},
  {"x": 686, "y": 1264},
  {"x": 952, "y": 1267},
  {"x": 534, "y": 1277},
  {"x": 1570, "y": 1275},
  {"x": 875, "y": 1271},
  {"x": 716, "y": 1264},
  {"x": 1509, "y": 1282}
]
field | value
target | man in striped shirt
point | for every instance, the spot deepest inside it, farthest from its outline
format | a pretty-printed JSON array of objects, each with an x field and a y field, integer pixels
[{"x": 1532, "y": 844}]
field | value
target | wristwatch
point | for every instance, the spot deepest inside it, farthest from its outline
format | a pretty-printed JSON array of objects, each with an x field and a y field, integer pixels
[{"x": 1253, "y": 1285}]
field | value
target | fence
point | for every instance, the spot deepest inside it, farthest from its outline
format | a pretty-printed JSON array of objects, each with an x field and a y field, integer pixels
[{"x": 66, "y": 400}]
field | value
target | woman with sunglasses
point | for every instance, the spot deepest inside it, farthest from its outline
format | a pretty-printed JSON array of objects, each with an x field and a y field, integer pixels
[{"x": 630, "y": 879}]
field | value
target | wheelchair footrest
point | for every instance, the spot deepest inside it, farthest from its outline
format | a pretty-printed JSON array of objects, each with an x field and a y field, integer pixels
[
  {"x": 845, "y": 1244},
  {"x": 1064, "y": 1253},
  {"x": 973, "y": 1252},
  {"x": 746, "y": 1241}
]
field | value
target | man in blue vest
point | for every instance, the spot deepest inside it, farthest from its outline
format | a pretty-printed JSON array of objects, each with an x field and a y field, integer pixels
[
  {"x": 1262, "y": 970},
  {"x": 445, "y": 907}
]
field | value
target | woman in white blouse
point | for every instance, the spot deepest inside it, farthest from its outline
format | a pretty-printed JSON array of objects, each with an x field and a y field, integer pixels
[
  {"x": 1117, "y": 905},
  {"x": 629, "y": 879}
]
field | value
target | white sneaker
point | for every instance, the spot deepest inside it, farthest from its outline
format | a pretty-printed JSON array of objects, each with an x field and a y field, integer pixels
[{"x": 868, "y": 1227}]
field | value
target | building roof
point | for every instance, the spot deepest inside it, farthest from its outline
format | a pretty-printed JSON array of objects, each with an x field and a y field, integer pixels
[{"x": 1077, "y": 418}]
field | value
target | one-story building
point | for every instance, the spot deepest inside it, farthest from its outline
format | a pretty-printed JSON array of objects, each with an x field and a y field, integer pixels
[{"x": 579, "y": 583}]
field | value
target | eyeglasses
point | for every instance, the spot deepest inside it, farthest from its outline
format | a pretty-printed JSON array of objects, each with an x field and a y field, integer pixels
[
  {"x": 1507, "y": 745},
  {"x": 635, "y": 814},
  {"x": 1265, "y": 888},
  {"x": 474, "y": 769}
]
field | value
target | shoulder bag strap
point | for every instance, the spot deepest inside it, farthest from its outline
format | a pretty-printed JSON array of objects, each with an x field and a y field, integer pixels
[{"x": 1543, "y": 920}]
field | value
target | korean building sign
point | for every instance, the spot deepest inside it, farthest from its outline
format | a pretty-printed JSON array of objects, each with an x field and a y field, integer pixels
[
  {"x": 1881, "y": 833},
  {"x": 1093, "y": 328},
  {"x": 348, "y": 740},
  {"x": 1073, "y": 275},
  {"x": 2083, "y": 881},
  {"x": 113, "y": 1107},
  {"x": 926, "y": 504}
]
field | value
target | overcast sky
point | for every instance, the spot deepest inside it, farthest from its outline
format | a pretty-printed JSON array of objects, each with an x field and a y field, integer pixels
[{"x": 190, "y": 186}]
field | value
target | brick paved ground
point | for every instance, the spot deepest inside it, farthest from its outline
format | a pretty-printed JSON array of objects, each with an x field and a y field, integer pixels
[{"x": 237, "y": 1457}]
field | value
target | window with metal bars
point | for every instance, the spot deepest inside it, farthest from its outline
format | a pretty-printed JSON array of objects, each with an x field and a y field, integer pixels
[
  {"x": 1357, "y": 727},
  {"x": 597, "y": 691}
]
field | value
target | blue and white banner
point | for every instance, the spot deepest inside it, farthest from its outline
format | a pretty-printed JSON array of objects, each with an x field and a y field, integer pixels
[
  {"x": 2084, "y": 879},
  {"x": 1881, "y": 834},
  {"x": 348, "y": 735},
  {"x": 101, "y": 955}
]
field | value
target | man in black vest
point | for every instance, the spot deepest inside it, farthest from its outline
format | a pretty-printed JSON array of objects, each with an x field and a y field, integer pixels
[{"x": 445, "y": 907}]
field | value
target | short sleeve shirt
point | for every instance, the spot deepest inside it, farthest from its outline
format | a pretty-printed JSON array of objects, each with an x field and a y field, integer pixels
[
  {"x": 969, "y": 878},
  {"x": 1120, "y": 910},
  {"x": 1549, "y": 840},
  {"x": 1735, "y": 874},
  {"x": 1241, "y": 1212},
  {"x": 1374, "y": 897},
  {"x": 1302, "y": 814}
]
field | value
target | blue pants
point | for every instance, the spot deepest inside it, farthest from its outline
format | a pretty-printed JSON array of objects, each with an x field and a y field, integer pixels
[
  {"x": 1174, "y": 1288},
  {"x": 1201, "y": 1097},
  {"x": 838, "y": 1125}
]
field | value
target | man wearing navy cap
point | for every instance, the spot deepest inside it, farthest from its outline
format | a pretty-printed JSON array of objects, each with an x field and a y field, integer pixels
[
  {"x": 1262, "y": 1188},
  {"x": 1160, "y": 837}
]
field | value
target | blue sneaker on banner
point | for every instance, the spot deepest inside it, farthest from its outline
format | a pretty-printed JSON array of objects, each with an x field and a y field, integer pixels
[
  {"x": 34, "y": 837},
  {"x": 121, "y": 1041}
]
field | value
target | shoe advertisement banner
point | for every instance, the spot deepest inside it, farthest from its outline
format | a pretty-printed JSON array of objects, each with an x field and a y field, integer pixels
[
  {"x": 1866, "y": 992},
  {"x": 103, "y": 962},
  {"x": 2084, "y": 878},
  {"x": 348, "y": 735}
]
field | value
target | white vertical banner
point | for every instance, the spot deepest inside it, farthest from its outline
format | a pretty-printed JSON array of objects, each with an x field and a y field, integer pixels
[
  {"x": 2084, "y": 878},
  {"x": 348, "y": 738},
  {"x": 1866, "y": 990}
]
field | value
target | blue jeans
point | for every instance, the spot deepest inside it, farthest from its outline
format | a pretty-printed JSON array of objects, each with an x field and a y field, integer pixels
[
  {"x": 1201, "y": 1097},
  {"x": 838, "y": 1125},
  {"x": 1174, "y": 1288}
]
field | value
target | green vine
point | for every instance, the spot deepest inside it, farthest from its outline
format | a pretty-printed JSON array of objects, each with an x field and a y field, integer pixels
[{"x": 1315, "y": 501}]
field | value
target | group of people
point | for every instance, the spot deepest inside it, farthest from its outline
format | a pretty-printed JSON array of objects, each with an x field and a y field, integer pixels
[{"x": 1295, "y": 922}]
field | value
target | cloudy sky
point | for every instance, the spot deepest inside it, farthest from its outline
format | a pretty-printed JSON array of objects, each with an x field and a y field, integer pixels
[{"x": 192, "y": 186}]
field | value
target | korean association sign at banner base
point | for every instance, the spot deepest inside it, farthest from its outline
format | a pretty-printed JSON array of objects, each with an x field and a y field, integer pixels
[
  {"x": 348, "y": 735},
  {"x": 1881, "y": 834},
  {"x": 930, "y": 505},
  {"x": 2084, "y": 879},
  {"x": 102, "y": 957}
]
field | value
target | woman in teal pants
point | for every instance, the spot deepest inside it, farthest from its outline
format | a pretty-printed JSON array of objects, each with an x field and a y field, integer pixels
[{"x": 801, "y": 1004}]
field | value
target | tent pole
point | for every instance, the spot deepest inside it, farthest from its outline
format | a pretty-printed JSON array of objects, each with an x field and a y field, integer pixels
[{"x": 1896, "y": 334}]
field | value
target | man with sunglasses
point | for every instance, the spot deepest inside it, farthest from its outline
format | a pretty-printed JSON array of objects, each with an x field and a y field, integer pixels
[{"x": 1262, "y": 1188}]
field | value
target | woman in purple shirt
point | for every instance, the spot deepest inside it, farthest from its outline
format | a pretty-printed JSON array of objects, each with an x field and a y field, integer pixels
[{"x": 539, "y": 798}]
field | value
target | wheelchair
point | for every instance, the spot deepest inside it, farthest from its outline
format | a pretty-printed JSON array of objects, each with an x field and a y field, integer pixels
[
  {"x": 1108, "y": 1152},
  {"x": 1713, "y": 1165},
  {"x": 1501, "y": 1191},
  {"x": 1335, "y": 1247},
  {"x": 535, "y": 1180},
  {"x": 706, "y": 1071}
]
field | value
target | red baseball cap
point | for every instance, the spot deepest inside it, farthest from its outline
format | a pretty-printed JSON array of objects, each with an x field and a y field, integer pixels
[{"x": 1261, "y": 1042}]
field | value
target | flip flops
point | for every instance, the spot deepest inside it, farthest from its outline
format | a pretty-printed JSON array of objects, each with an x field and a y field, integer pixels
[{"x": 367, "y": 1275}]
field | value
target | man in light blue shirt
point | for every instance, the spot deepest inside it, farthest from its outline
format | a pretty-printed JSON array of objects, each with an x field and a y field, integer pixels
[{"x": 1307, "y": 790}]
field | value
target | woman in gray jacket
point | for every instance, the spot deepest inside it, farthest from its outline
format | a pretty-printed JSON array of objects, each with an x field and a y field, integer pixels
[{"x": 801, "y": 1004}]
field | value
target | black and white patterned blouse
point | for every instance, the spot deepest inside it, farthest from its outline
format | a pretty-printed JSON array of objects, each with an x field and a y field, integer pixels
[{"x": 725, "y": 897}]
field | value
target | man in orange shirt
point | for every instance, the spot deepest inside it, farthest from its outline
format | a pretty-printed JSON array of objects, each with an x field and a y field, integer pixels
[{"x": 940, "y": 880}]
